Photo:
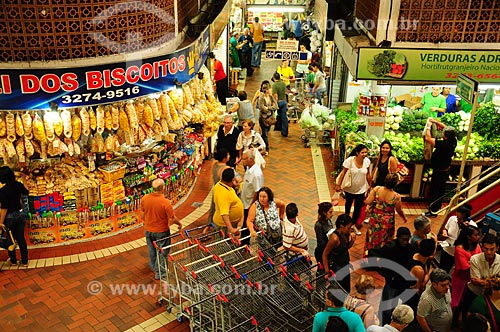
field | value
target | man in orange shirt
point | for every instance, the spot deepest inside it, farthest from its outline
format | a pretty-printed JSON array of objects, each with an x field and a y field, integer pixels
[
  {"x": 157, "y": 215},
  {"x": 258, "y": 38}
]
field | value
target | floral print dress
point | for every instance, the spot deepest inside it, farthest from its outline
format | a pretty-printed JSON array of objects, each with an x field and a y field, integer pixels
[{"x": 382, "y": 223}]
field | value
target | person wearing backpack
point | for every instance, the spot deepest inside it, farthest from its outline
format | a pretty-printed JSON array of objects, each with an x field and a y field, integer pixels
[
  {"x": 336, "y": 324},
  {"x": 335, "y": 298}
]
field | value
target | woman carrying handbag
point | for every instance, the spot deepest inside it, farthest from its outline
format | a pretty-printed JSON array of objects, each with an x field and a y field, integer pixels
[
  {"x": 267, "y": 107},
  {"x": 266, "y": 214},
  {"x": 356, "y": 166}
]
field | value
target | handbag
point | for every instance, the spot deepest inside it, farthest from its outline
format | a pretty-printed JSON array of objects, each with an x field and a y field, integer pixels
[
  {"x": 347, "y": 181},
  {"x": 270, "y": 120},
  {"x": 7, "y": 239},
  {"x": 273, "y": 235}
]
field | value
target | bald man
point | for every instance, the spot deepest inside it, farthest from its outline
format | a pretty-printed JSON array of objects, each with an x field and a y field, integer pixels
[{"x": 157, "y": 214}]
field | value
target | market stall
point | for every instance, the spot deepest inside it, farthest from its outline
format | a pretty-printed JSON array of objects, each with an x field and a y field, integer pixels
[
  {"x": 387, "y": 102},
  {"x": 403, "y": 128},
  {"x": 88, "y": 158}
]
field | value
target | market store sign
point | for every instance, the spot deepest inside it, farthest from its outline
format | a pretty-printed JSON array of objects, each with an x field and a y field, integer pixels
[
  {"x": 466, "y": 87},
  {"x": 273, "y": 54},
  {"x": 432, "y": 65},
  {"x": 287, "y": 45},
  {"x": 37, "y": 88}
]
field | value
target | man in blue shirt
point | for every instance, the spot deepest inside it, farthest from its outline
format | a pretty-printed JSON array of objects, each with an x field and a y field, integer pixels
[
  {"x": 245, "y": 44},
  {"x": 335, "y": 298}
]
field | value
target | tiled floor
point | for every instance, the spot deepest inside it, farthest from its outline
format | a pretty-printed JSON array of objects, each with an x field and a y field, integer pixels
[{"x": 77, "y": 287}]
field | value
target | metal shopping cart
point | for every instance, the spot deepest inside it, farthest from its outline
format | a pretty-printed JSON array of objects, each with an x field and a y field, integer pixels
[{"x": 299, "y": 97}]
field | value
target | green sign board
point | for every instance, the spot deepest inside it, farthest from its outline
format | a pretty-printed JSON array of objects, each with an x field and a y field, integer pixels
[
  {"x": 432, "y": 65},
  {"x": 466, "y": 87}
]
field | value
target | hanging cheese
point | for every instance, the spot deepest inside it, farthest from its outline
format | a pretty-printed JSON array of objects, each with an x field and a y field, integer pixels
[
  {"x": 115, "y": 114},
  {"x": 49, "y": 126},
  {"x": 177, "y": 98},
  {"x": 172, "y": 109},
  {"x": 3, "y": 153},
  {"x": 100, "y": 119},
  {"x": 3, "y": 126},
  {"x": 164, "y": 126},
  {"x": 20, "y": 148},
  {"x": 69, "y": 143},
  {"x": 157, "y": 128},
  {"x": 92, "y": 119},
  {"x": 123, "y": 119},
  {"x": 109, "y": 143},
  {"x": 84, "y": 115},
  {"x": 108, "y": 120},
  {"x": 19, "y": 126},
  {"x": 57, "y": 123},
  {"x": 39, "y": 129},
  {"x": 27, "y": 125},
  {"x": 132, "y": 115},
  {"x": 76, "y": 123},
  {"x": 66, "y": 119},
  {"x": 160, "y": 110},
  {"x": 148, "y": 115},
  {"x": 139, "y": 110},
  {"x": 76, "y": 148},
  {"x": 164, "y": 106},
  {"x": 99, "y": 141},
  {"x": 28, "y": 147},
  {"x": 9, "y": 148},
  {"x": 154, "y": 107},
  {"x": 188, "y": 95},
  {"x": 10, "y": 122}
]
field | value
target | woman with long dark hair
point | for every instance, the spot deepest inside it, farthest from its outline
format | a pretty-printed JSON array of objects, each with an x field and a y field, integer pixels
[
  {"x": 323, "y": 228},
  {"x": 386, "y": 163},
  {"x": 359, "y": 166},
  {"x": 11, "y": 212},
  {"x": 336, "y": 254},
  {"x": 466, "y": 246}
]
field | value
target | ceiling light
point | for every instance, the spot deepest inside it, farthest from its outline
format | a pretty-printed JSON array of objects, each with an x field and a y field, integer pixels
[{"x": 276, "y": 9}]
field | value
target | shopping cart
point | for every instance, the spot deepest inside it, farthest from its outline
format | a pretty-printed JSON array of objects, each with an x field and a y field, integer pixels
[
  {"x": 299, "y": 96},
  {"x": 288, "y": 301}
]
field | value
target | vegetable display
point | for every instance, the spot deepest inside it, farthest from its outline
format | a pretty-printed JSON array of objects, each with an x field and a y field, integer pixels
[{"x": 487, "y": 121}]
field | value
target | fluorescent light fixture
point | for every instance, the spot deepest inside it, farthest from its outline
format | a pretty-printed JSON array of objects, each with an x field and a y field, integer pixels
[{"x": 275, "y": 9}]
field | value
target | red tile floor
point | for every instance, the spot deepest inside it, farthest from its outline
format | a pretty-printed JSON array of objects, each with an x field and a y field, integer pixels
[{"x": 57, "y": 298}]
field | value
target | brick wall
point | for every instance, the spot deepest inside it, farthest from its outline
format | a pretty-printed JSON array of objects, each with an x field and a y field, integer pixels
[
  {"x": 67, "y": 29},
  {"x": 187, "y": 9},
  {"x": 367, "y": 12}
]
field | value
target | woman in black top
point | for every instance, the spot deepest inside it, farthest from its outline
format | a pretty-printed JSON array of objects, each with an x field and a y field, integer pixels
[
  {"x": 336, "y": 254},
  {"x": 440, "y": 162},
  {"x": 11, "y": 213},
  {"x": 323, "y": 227},
  {"x": 386, "y": 163}
]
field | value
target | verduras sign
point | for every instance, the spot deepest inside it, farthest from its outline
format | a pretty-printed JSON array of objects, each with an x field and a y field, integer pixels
[{"x": 433, "y": 65}]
